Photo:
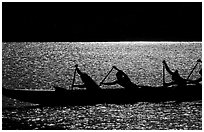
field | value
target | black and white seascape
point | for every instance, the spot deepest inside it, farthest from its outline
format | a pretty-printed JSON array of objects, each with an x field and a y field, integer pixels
[
  {"x": 43, "y": 65},
  {"x": 125, "y": 50}
]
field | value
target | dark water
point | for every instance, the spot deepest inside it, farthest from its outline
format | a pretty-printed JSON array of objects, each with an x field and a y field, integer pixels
[{"x": 42, "y": 65}]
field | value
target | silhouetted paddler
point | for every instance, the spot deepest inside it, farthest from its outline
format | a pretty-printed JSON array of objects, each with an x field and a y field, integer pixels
[
  {"x": 200, "y": 72},
  {"x": 177, "y": 79},
  {"x": 89, "y": 83},
  {"x": 197, "y": 81},
  {"x": 122, "y": 79}
]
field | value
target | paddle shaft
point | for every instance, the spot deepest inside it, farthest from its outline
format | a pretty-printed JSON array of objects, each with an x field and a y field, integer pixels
[
  {"x": 192, "y": 71},
  {"x": 106, "y": 76},
  {"x": 74, "y": 78},
  {"x": 163, "y": 74}
]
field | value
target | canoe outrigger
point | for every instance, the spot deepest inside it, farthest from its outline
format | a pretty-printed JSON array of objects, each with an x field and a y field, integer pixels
[{"x": 94, "y": 94}]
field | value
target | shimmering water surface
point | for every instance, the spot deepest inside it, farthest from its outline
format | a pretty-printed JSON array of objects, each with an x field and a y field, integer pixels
[{"x": 33, "y": 65}]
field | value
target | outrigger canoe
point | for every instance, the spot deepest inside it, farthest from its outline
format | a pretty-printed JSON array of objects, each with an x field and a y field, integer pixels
[{"x": 61, "y": 96}]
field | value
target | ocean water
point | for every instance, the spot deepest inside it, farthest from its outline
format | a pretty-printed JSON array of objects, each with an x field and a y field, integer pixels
[{"x": 40, "y": 65}]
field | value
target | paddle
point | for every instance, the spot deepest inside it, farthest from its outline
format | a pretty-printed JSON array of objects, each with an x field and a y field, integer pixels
[
  {"x": 163, "y": 74},
  {"x": 193, "y": 68},
  {"x": 74, "y": 76},
  {"x": 106, "y": 76}
]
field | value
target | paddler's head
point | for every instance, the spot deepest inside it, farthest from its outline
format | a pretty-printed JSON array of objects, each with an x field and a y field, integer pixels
[
  {"x": 120, "y": 74},
  {"x": 176, "y": 72}
]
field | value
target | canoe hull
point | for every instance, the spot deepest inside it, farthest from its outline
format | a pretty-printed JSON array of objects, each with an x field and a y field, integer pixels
[{"x": 113, "y": 96}]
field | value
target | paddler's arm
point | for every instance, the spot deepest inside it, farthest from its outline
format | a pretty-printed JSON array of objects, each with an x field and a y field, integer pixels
[
  {"x": 110, "y": 83},
  {"x": 121, "y": 71},
  {"x": 166, "y": 66},
  {"x": 78, "y": 71},
  {"x": 116, "y": 68}
]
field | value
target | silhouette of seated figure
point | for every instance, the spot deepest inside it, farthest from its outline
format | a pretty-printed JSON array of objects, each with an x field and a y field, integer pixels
[
  {"x": 177, "y": 79},
  {"x": 197, "y": 81},
  {"x": 89, "y": 83},
  {"x": 200, "y": 72},
  {"x": 122, "y": 79},
  {"x": 200, "y": 79}
]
